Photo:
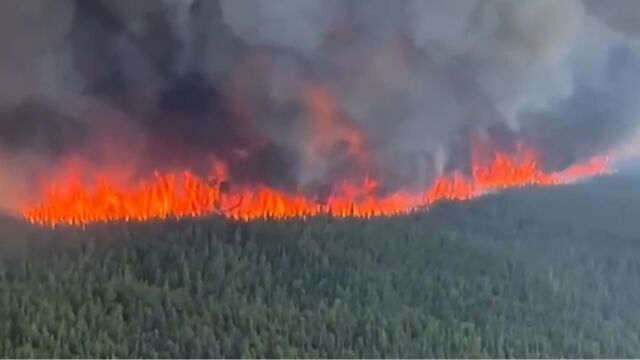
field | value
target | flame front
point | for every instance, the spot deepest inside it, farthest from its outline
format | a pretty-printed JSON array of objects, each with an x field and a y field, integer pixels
[{"x": 179, "y": 195}]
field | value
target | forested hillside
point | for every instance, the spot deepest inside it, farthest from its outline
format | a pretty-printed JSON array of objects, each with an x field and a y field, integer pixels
[{"x": 535, "y": 273}]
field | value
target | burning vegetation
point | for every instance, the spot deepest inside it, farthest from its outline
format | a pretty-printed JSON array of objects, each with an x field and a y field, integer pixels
[
  {"x": 183, "y": 194},
  {"x": 123, "y": 111},
  {"x": 335, "y": 170}
]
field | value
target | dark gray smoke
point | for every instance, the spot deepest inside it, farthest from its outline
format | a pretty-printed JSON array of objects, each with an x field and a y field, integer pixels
[{"x": 179, "y": 82}]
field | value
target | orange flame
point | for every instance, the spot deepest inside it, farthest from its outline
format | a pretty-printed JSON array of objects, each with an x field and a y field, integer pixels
[{"x": 179, "y": 195}]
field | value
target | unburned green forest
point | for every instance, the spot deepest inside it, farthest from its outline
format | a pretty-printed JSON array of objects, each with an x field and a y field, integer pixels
[{"x": 551, "y": 272}]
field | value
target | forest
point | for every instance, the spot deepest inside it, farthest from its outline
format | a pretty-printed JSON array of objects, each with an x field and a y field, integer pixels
[{"x": 547, "y": 272}]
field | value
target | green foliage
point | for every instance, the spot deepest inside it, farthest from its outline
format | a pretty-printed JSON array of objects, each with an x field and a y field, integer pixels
[{"x": 542, "y": 273}]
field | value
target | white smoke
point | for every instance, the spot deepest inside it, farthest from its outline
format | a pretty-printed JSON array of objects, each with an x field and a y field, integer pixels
[
  {"x": 295, "y": 24},
  {"x": 414, "y": 75},
  {"x": 518, "y": 50},
  {"x": 29, "y": 31}
]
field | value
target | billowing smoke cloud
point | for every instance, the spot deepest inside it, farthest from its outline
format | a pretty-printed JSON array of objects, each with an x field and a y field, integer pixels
[
  {"x": 301, "y": 93},
  {"x": 623, "y": 15}
]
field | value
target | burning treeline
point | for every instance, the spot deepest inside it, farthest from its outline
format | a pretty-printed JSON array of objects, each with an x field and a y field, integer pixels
[
  {"x": 122, "y": 110},
  {"x": 175, "y": 195},
  {"x": 79, "y": 195}
]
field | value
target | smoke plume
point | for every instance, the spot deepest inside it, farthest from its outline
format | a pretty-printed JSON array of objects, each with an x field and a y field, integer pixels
[{"x": 299, "y": 94}]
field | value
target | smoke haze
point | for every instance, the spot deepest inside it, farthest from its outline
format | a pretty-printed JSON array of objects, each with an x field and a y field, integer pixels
[{"x": 299, "y": 94}]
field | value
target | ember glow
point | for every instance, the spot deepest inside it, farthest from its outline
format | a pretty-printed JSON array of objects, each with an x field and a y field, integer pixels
[{"x": 179, "y": 195}]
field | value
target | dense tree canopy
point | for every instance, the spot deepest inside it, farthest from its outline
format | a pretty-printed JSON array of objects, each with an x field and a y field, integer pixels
[{"x": 536, "y": 273}]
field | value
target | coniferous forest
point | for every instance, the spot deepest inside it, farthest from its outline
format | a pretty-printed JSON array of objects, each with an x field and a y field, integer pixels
[{"x": 551, "y": 272}]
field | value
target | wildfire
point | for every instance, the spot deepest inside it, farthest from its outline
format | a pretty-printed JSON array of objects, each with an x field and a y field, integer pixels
[{"x": 179, "y": 195}]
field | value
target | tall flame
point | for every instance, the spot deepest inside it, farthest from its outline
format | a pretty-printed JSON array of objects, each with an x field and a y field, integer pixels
[{"x": 178, "y": 195}]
